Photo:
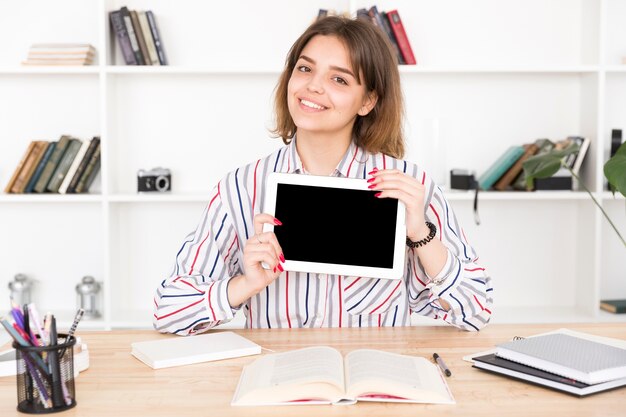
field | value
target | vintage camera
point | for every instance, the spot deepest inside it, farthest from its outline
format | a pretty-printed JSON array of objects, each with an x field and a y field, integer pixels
[{"x": 156, "y": 179}]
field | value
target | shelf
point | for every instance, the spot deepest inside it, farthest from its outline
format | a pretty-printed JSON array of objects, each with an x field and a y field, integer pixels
[
  {"x": 456, "y": 195},
  {"x": 50, "y": 198},
  {"x": 50, "y": 70},
  {"x": 608, "y": 196},
  {"x": 174, "y": 70},
  {"x": 158, "y": 198},
  {"x": 418, "y": 69}
]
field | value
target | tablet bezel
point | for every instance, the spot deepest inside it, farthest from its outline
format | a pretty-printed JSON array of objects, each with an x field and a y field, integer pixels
[{"x": 396, "y": 272}]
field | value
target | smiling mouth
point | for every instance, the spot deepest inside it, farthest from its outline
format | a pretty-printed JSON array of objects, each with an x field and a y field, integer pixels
[{"x": 311, "y": 105}]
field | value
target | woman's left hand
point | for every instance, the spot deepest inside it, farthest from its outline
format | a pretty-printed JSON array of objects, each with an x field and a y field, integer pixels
[{"x": 391, "y": 183}]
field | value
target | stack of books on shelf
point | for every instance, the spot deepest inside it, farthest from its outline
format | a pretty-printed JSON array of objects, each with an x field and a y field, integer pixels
[
  {"x": 66, "y": 166},
  {"x": 60, "y": 54},
  {"x": 507, "y": 173},
  {"x": 391, "y": 25},
  {"x": 577, "y": 364},
  {"x": 138, "y": 37}
]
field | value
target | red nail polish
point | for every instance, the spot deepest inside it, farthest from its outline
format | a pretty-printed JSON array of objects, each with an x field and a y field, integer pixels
[
  {"x": 278, "y": 222},
  {"x": 274, "y": 269},
  {"x": 377, "y": 194},
  {"x": 371, "y": 179},
  {"x": 282, "y": 257},
  {"x": 280, "y": 267},
  {"x": 372, "y": 186},
  {"x": 372, "y": 171}
]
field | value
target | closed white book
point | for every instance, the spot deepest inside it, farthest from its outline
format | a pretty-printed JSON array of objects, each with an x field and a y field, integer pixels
[
  {"x": 572, "y": 357},
  {"x": 176, "y": 350}
]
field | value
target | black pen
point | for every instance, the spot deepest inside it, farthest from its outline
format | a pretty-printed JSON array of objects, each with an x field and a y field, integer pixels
[
  {"x": 53, "y": 362},
  {"x": 442, "y": 364}
]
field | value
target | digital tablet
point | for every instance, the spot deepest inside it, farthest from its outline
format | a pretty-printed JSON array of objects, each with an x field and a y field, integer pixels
[{"x": 336, "y": 226}]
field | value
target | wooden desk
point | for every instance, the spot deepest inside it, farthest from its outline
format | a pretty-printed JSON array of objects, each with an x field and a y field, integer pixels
[{"x": 116, "y": 384}]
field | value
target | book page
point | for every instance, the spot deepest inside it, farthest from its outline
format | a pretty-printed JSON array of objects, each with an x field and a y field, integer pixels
[
  {"x": 376, "y": 376},
  {"x": 305, "y": 374}
]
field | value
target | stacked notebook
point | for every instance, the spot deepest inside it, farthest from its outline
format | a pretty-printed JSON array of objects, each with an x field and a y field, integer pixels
[{"x": 559, "y": 361}]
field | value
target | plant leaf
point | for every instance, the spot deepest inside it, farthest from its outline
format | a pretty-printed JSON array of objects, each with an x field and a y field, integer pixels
[
  {"x": 615, "y": 170},
  {"x": 546, "y": 165}
]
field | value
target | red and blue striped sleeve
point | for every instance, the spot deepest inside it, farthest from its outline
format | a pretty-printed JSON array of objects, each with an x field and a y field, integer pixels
[
  {"x": 194, "y": 297},
  {"x": 466, "y": 285}
]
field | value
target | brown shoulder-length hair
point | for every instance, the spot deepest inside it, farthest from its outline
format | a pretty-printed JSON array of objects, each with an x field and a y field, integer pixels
[{"x": 374, "y": 61}]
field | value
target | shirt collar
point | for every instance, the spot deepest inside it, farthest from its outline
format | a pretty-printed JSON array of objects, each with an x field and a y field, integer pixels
[{"x": 351, "y": 165}]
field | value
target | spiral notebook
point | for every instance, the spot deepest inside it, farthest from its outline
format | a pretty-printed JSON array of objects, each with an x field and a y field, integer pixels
[{"x": 572, "y": 357}]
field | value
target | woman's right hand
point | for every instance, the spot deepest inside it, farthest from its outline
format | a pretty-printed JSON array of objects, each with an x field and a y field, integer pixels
[{"x": 262, "y": 247}]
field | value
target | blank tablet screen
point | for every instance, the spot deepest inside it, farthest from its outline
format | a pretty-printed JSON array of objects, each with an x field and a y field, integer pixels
[{"x": 336, "y": 226}]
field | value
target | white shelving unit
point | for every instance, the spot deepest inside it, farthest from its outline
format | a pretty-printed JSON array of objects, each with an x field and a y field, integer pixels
[{"x": 489, "y": 75}]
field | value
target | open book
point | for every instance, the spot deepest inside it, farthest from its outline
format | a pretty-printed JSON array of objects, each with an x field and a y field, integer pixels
[{"x": 320, "y": 375}]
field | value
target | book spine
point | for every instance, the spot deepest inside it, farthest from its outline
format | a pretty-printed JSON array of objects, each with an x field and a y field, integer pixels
[
  {"x": 93, "y": 144},
  {"x": 154, "y": 30},
  {"x": 63, "y": 166},
  {"x": 507, "y": 179},
  {"x": 502, "y": 164},
  {"x": 145, "y": 28},
  {"x": 382, "y": 22},
  {"x": 90, "y": 171},
  {"x": 51, "y": 164},
  {"x": 403, "y": 41},
  {"x": 39, "y": 170},
  {"x": 119, "y": 28},
  {"x": 132, "y": 36},
  {"x": 19, "y": 167},
  {"x": 140, "y": 39},
  {"x": 84, "y": 145},
  {"x": 29, "y": 167}
]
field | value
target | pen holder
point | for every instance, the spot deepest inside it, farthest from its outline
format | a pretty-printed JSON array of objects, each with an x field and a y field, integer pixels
[{"x": 45, "y": 377}]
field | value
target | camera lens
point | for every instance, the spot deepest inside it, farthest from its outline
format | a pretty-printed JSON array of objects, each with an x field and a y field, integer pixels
[{"x": 162, "y": 183}]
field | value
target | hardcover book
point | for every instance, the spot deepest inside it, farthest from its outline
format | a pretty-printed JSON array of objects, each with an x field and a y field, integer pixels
[
  {"x": 509, "y": 176},
  {"x": 73, "y": 167},
  {"x": 400, "y": 35},
  {"x": 123, "y": 40},
  {"x": 29, "y": 167},
  {"x": 18, "y": 169},
  {"x": 501, "y": 366},
  {"x": 145, "y": 28},
  {"x": 140, "y": 38},
  {"x": 134, "y": 43},
  {"x": 51, "y": 164},
  {"x": 500, "y": 166},
  {"x": 158, "y": 43},
  {"x": 93, "y": 145},
  {"x": 39, "y": 170},
  {"x": 382, "y": 22},
  {"x": 569, "y": 356},
  {"x": 90, "y": 173},
  {"x": 176, "y": 351},
  {"x": 614, "y": 306},
  {"x": 320, "y": 375},
  {"x": 64, "y": 165},
  {"x": 520, "y": 182}
]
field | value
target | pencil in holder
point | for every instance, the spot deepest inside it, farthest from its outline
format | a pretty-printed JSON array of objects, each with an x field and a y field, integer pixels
[{"x": 45, "y": 377}]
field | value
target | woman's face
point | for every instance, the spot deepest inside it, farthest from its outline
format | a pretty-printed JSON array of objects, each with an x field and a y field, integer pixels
[{"x": 323, "y": 94}]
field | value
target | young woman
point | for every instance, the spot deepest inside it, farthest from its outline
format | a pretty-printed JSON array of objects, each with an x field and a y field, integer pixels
[{"x": 339, "y": 111}]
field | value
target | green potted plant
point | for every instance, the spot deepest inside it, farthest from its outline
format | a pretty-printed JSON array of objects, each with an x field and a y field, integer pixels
[{"x": 546, "y": 165}]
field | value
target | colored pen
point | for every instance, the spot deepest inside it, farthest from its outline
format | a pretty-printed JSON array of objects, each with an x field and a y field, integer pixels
[
  {"x": 79, "y": 315},
  {"x": 21, "y": 341},
  {"x": 442, "y": 364},
  {"x": 34, "y": 316}
]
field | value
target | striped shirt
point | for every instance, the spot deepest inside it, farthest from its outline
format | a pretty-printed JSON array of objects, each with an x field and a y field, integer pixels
[{"x": 194, "y": 298}]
